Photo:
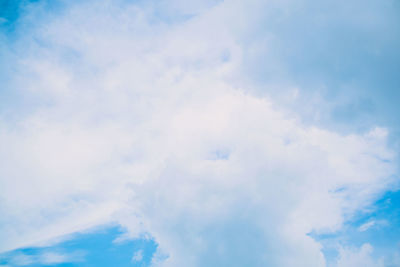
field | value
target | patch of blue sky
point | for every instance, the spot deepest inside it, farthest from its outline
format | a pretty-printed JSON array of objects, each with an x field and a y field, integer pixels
[
  {"x": 379, "y": 226},
  {"x": 98, "y": 248},
  {"x": 220, "y": 154},
  {"x": 10, "y": 13}
]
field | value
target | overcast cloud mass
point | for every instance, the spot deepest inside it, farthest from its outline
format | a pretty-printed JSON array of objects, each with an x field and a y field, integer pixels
[{"x": 209, "y": 133}]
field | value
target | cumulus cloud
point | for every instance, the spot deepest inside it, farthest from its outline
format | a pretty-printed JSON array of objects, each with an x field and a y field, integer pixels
[
  {"x": 359, "y": 257},
  {"x": 148, "y": 122}
]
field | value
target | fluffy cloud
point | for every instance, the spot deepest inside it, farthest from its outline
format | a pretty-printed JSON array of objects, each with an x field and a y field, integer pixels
[
  {"x": 360, "y": 257},
  {"x": 148, "y": 122}
]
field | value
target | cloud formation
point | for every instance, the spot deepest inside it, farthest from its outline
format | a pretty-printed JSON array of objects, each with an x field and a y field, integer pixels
[
  {"x": 148, "y": 120},
  {"x": 361, "y": 257}
]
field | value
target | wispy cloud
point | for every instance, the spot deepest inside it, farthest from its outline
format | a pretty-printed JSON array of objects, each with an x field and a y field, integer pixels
[
  {"x": 137, "y": 256},
  {"x": 47, "y": 257}
]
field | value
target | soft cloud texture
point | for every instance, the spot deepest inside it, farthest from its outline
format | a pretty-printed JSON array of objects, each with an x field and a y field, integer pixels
[
  {"x": 360, "y": 257},
  {"x": 151, "y": 122},
  {"x": 44, "y": 259}
]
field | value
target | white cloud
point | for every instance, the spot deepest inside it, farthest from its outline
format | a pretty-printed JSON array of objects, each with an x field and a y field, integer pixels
[
  {"x": 137, "y": 256},
  {"x": 51, "y": 257},
  {"x": 21, "y": 259},
  {"x": 358, "y": 257},
  {"x": 366, "y": 226},
  {"x": 130, "y": 110},
  {"x": 47, "y": 257}
]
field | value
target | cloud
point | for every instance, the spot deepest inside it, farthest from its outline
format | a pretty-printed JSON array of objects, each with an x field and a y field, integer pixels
[
  {"x": 47, "y": 257},
  {"x": 373, "y": 224},
  {"x": 366, "y": 226},
  {"x": 149, "y": 123},
  {"x": 137, "y": 256},
  {"x": 358, "y": 257}
]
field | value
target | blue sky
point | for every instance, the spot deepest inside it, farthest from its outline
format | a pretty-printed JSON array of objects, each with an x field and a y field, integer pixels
[
  {"x": 200, "y": 133},
  {"x": 100, "y": 247}
]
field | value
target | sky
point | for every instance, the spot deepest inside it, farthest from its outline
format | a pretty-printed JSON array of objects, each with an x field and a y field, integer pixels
[{"x": 199, "y": 133}]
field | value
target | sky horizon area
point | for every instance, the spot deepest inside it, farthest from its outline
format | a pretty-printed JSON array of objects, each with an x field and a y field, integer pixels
[{"x": 199, "y": 133}]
